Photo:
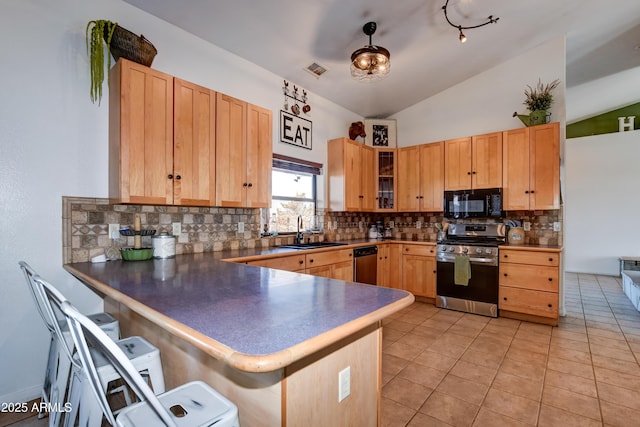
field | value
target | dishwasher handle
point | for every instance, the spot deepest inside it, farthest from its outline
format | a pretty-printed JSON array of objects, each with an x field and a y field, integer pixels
[{"x": 365, "y": 251}]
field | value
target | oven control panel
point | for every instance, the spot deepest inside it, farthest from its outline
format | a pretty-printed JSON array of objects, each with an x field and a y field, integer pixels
[{"x": 477, "y": 254}]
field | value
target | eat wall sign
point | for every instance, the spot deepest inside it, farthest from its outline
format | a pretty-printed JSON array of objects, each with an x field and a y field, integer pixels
[{"x": 295, "y": 130}]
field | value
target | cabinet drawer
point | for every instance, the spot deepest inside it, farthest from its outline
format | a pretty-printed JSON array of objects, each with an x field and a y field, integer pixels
[
  {"x": 537, "y": 303},
  {"x": 289, "y": 263},
  {"x": 329, "y": 257},
  {"x": 534, "y": 277},
  {"x": 424, "y": 250},
  {"x": 529, "y": 257}
]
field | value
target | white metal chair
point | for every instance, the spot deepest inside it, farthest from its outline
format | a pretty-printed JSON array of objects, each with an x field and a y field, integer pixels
[
  {"x": 190, "y": 405},
  {"x": 83, "y": 405},
  {"x": 58, "y": 363}
]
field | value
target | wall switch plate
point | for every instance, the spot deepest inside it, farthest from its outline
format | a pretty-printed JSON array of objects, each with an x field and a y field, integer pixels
[
  {"x": 527, "y": 226},
  {"x": 344, "y": 383},
  {"x": 176, "y": 228},
  {"x": 556, "y": 226},
  {"x": 241, "y": 227},
  {"x": 114, "y": 231}
]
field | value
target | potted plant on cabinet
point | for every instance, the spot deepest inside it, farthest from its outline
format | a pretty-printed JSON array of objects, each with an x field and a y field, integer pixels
[
  {"x": 121, "y": 43},
  {"x": 98, "y": 33},
  {"x": 538, "y": 101}
]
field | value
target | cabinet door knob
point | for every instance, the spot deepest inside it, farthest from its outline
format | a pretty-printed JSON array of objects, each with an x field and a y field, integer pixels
[
  {"x": 178, "y": 177},
  {"x": 504, "y": 298},
  {"x": 550, "y": 259},
  {"x": 468, "y": 173},
  {"x": 505, "y": 274},
  {"x": 526, "y": 192},
  {"x": 474, "y": 172},
  {"x": 506, "y": 256},
  {"x": 550, "y": 305},
  {"x": 532, "y": 191},
  {"x": 170, "y": 176},
  {"x": 551, "y": 279},
  {"x": 245, "y": 184},
  {"x": 434, "y": 272},
  {"x": 406, "y": 249},
  {"x": 417, "y": 197},
  {"x": 301, "y": 262},
  {"x": 431, "y": 250},
  {"x": 250, "y": 185},
  {"x": 421, "y": 197},
  {"x": 350, "y": 254},
  {"x": 311, "y": 261}
]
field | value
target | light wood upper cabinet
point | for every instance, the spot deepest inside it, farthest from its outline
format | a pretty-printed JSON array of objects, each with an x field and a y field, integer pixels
[
  {"x": 544, "y": 146},
  {"x": 194, "y": 144},
  {"x": 457, "y": 157},
  {"x": 473, "y": 162},
  {"x": 243, "y": 154},
  {"x": 531, "y": 172},
  {"x": 259, "y": 157},
  {"x": 140, "y": 135},
  {"x": 486, "y": 154},
  {"x": 231, "y": 138},
  {"x": 421, "y": 177},
  {"x": 350, "y": 175},
  {"x": 386, "y": 183}
]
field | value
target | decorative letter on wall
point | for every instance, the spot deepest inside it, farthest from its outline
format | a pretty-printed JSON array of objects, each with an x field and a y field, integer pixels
[
  {"x": 624, "y": 125},
  {"x": 295, "y": 130}
]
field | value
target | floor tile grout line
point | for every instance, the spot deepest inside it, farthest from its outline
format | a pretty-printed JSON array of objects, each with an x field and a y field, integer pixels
[{"x": 593, "y": 369}]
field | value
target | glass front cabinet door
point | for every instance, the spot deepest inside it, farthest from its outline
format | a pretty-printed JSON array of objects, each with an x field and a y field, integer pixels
[{"x": 386, "y": 183}]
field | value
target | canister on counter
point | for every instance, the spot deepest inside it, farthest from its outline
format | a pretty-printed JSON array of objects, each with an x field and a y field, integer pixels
[{"x": 164, "y": 245}]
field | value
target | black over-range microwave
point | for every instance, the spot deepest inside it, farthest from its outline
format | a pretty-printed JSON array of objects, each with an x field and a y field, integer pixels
[{"x": 485, "y": 203}]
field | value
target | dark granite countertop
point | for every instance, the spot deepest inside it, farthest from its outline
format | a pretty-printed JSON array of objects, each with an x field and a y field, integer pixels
[{"x": 256, "y": 319}]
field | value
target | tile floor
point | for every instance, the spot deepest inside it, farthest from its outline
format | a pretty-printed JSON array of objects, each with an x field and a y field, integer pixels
[{"x": 445, "y": 368}]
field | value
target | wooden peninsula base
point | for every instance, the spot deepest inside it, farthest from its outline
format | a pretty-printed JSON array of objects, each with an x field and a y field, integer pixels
[{"x": 304, "y": 393}]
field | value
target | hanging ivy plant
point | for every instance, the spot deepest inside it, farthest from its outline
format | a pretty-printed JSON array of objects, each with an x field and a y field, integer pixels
[{"x": 99, "y": 33}]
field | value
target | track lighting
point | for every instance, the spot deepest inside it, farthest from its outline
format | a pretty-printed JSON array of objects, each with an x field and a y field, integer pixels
[{"x": 462, "y": 37}]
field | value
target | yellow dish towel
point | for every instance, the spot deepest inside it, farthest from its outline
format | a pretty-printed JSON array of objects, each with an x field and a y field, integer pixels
[{"x": 462, "y": 270}]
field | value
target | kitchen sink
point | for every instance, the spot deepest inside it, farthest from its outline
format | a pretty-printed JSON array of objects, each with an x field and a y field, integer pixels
[{"x": 312, "y": 245}]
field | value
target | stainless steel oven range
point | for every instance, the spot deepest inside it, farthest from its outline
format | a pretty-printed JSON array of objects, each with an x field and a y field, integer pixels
[{"x": 477, "y": 244}]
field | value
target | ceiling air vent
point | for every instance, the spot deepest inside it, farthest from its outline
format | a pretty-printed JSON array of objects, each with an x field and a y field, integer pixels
[{"x": 316, "y": 69}]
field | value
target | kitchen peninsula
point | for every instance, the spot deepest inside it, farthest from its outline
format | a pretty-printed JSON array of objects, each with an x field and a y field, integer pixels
[{"x": 274, "y": 342}]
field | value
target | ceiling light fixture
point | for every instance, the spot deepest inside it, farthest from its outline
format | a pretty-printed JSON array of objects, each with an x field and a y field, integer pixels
[
  {"x": 462, "y": 36},
  {"x": 370, "y": 62}
]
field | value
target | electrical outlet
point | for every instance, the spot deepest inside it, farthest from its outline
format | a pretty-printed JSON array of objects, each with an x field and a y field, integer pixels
[
  {"x": 335, "y": 225},
  {"x": 176, "y": 229},
  {"x": 360, "y": 225},
  {"x": 527, "y": 226},
  {"x": 418, "y": 224},
  {"x": 344, "y": 383},
  {"x": 114, "y": 231},
  {"x": 556, "y": 226},
  {"x": 241, "y": 227},
  {"x": 391, "y": 224}
]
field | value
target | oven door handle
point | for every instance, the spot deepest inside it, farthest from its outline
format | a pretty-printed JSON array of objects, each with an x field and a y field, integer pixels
[{"x": 473, "y": 260}]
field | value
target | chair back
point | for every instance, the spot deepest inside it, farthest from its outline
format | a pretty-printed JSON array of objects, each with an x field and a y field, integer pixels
[
  {"x": 44, "y": 301},
  {"x": 85, "y": 333}
]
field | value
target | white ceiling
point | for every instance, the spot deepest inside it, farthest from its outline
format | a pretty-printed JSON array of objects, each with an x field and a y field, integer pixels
[{"x": 285, "y": 36}]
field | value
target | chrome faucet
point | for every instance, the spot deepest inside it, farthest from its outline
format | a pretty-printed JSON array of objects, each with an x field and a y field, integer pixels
[{"x": 299, "y": 234}]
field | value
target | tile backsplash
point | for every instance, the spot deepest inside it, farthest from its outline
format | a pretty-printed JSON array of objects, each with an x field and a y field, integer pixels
[{"x": 85, "y": 227}]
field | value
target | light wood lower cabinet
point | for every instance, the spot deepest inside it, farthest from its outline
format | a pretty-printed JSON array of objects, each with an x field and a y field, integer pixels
[
  {"x": 334, "y": 264},
  {"x": 529, "y": 283},
  {"x": 288, "y": 263},
  {"x": 419, "y": 270}
]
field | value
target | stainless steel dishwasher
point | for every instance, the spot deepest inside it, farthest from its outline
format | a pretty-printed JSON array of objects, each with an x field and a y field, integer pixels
[{"x": 365, "y": 267}]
